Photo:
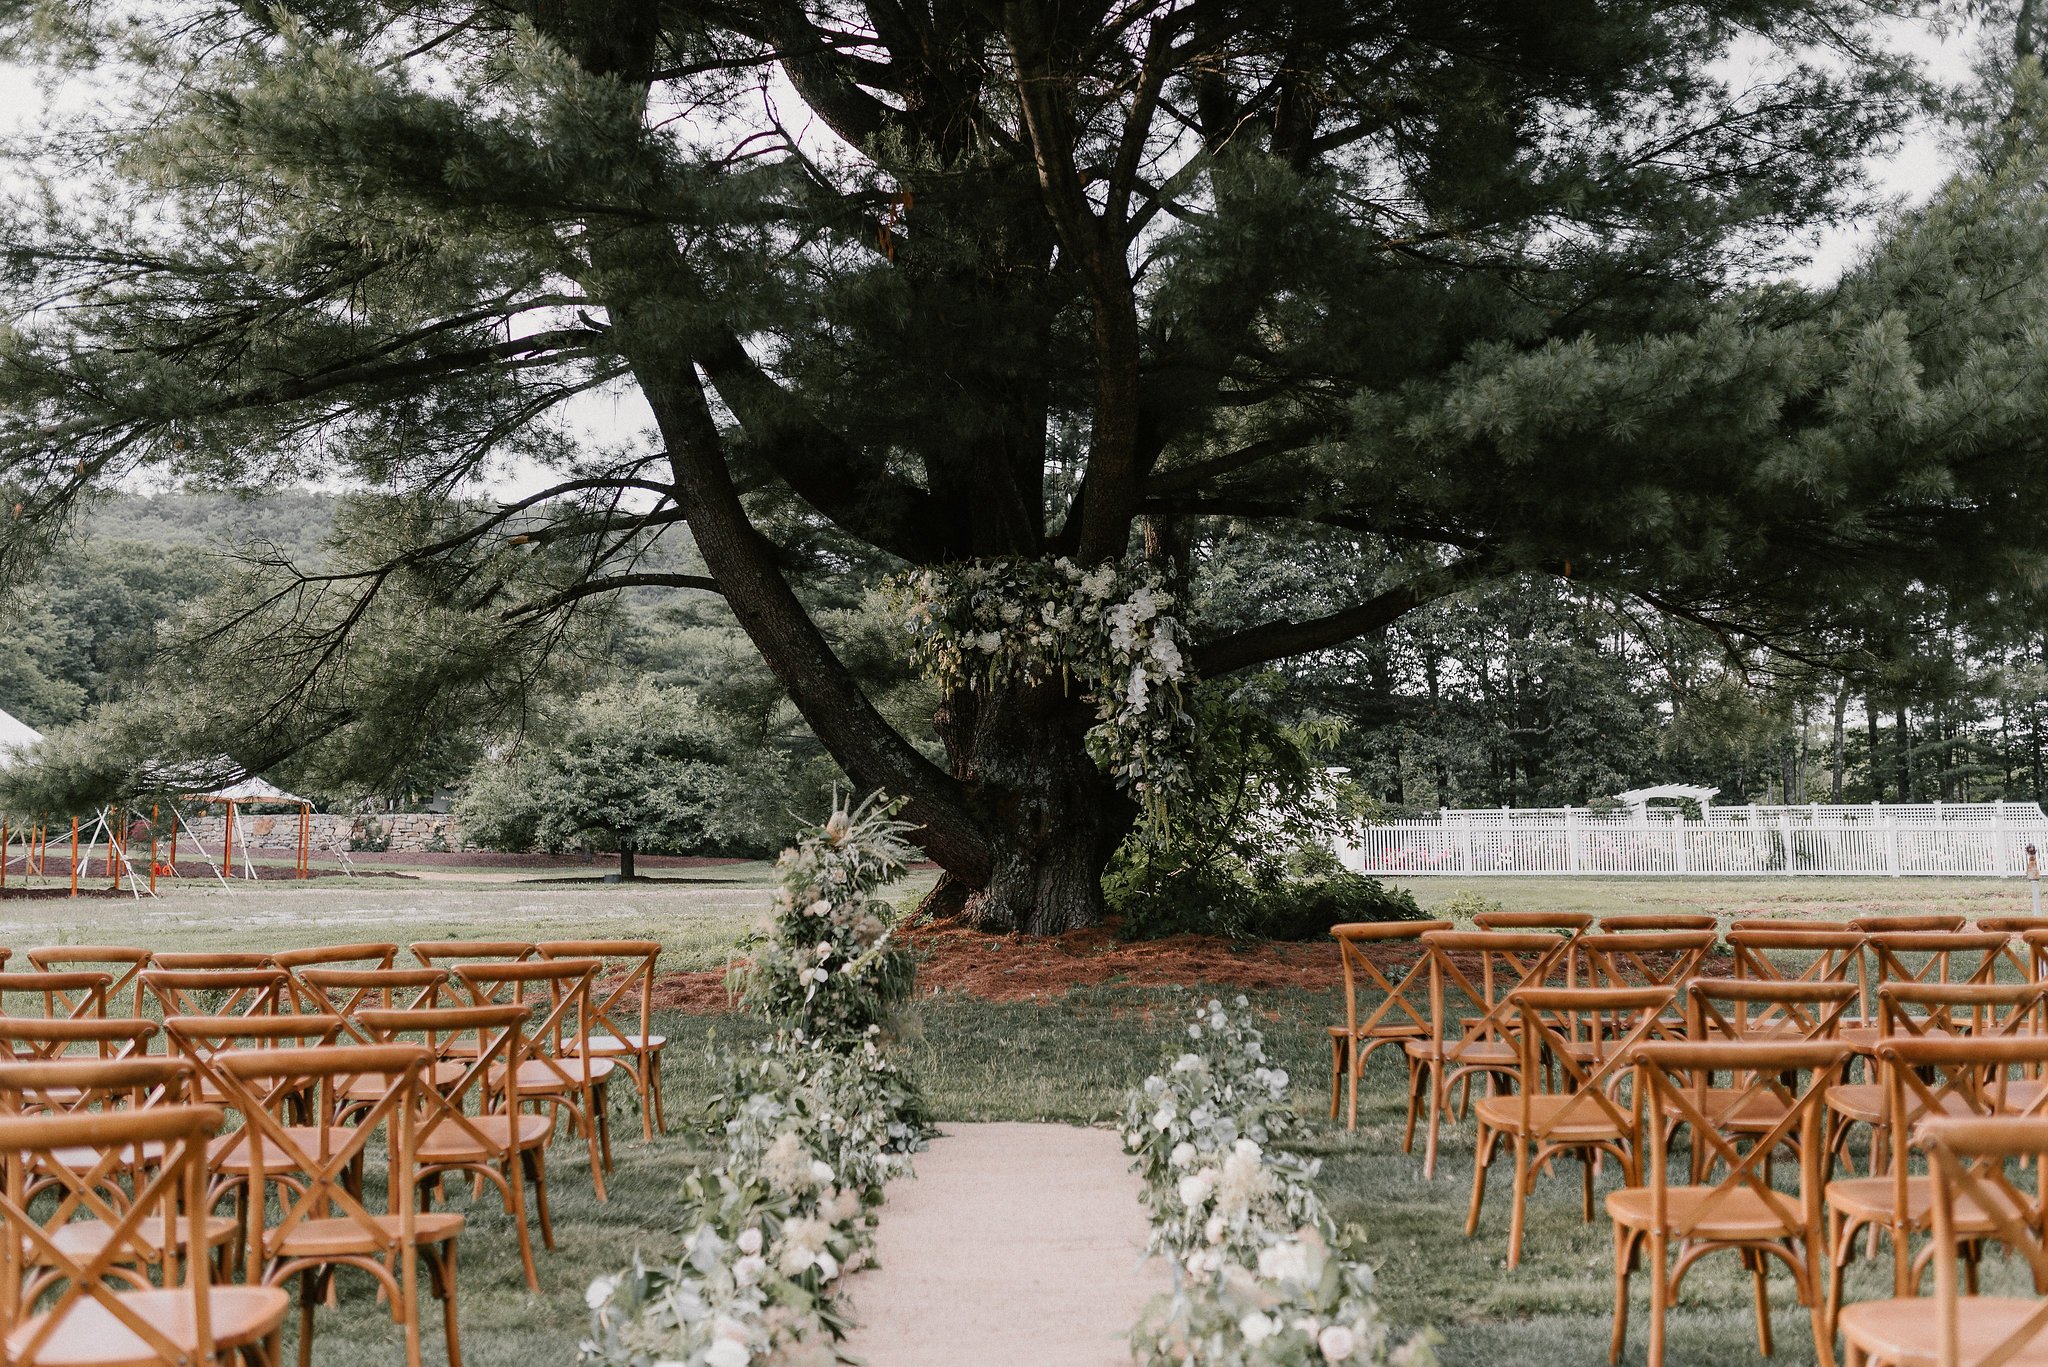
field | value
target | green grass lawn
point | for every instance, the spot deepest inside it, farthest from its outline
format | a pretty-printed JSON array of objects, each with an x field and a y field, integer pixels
[{"x": 1069, "y": 1061}]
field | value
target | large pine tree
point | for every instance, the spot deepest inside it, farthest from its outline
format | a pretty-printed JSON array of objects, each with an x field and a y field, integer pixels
[{"x": 1467, "y": 289}]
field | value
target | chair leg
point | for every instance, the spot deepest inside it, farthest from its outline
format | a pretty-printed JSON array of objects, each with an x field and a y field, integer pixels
[
  {"x": 515, "y": 1197},
  {"x": 1660, "y": 1287},
  {"x": 1586, "y": 1158},
  {"x": 1760, "y": 1279},
  {"x": 450, "y": 1334},
  {"x": 1417, "y": 1074},
  {"x": 1337, "y": 1068},
  {"x": 1482, "y": 1155},
  {"x": 309, "y": 1296},
  {"x": 1437, "y": 1096},
  {"x": 1352, "y": 1077},
  {"x": 539, "y": 1169},
  {"x": 1624, "y": 1250},
  {"x": 1521, "y": 1206}
]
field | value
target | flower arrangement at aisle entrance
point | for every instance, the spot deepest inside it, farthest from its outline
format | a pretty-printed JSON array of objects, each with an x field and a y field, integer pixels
[
  {"x": 1111, "y": 629},
  {"x": 809, "y": 1127},
  {"x": 1262, "y": 1277}
]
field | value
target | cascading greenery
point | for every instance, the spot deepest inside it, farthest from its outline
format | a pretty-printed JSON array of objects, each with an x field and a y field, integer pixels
[
  {"x": 809, "y": 1128},
  {"x": 1262, "y": 1276}
]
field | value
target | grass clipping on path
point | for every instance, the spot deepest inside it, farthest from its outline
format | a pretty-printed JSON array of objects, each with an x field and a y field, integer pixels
[{"x": 811, "y": 1124}]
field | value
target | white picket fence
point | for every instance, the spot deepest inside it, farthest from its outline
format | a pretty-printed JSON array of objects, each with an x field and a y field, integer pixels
[{"x": 1986, "y": 839}]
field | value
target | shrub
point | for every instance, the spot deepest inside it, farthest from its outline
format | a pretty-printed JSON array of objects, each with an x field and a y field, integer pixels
[
  {"x": 1463, "y": 906},
  {"x": 1306, "y": 909}
]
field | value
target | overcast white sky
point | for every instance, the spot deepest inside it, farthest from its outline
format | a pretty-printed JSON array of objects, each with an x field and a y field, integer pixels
[{"x": 1912, "y": 173}]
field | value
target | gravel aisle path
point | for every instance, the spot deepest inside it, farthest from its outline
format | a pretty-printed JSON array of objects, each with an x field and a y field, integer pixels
[{"x": 1013, "y": 1246}]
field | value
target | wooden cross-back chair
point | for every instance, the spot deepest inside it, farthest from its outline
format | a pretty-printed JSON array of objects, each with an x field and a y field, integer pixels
[
  {"x": 98, "y": 1087},
  {"x": 322, "y": 1222},
  {"x": 1469, "y": 1019},
  {"x": 559, "y": 1071},
  {"x": 1928, "y": 1075},
  {"x": 1742, "y": 1212},
  {"x": 1918, "y": 1010},
  {"x": 56, "y": 1037},
  {"x": 1752, "y": 1010},
  {"x": 505, "y": 1146},
  {"x": 1829, "y": 955},
  {"x": 1579, "y": 1113},
  {"x": 206, "y": 1040},
  {"x": 1397, "y": 1018},
  {"x": 637, "y": 1047},
  {"x": 186, "y": 1322},
  {"x": 1644, "y": 958},
  {"x": 1916, "y": 921},
  {"x": 218, "y": 991},
  {"x": 367, "y": 954},
  {"x": 448, "y": 953},
  {"x": 1927, "y": 956},
  {"x": 2036, "y": 953},
  {"x": 122, "y": 963},
  {"x": 77, "y": 994},
  {"x": 2017, "y": 953},
  {"x": 1623, "y": 921},
  {"x": 1970, "y": 1162},
  {"x": 345, "y": 991}
]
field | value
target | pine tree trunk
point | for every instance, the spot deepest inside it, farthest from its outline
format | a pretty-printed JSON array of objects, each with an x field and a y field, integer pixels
[
  {"x": 1055, "y": 816},
  {"x": 1841, "y": 741}
]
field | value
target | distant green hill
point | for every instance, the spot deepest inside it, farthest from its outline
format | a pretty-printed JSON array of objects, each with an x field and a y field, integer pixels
[{"x": 298, "y": 520}]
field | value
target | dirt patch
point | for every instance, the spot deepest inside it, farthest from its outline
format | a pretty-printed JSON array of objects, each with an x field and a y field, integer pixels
[{"x": 1008, "y": 968}]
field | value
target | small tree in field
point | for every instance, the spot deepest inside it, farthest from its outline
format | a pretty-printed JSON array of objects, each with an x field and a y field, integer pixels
[{"x": 638, "y": 768}]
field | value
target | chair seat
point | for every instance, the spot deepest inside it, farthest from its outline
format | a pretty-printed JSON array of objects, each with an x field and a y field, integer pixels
[
  {"x": 1735, "y": 1109},
  {"x": 83, "y": 1238},
  {"x": 230, "y": 1152},
  {"x": 451, "y": 1144},
  {"x": 372, "y": 1086},
  {"x": 636, "y": 1044},
  {"x": 1866, "y": 1101},
  {"x": 1561, "y": 1119},
  {"x": 90, "y": 1336},
  {"x": 537, "y": 1077},
  {"x": 84, "y": 1158},
  {"x": 1471, "y": 1053},
  {"x": 1736, "y": 1213},
  {"x": 1902, "y": 1333},
  {"x": 1872, "y": 1198},
  {"x": 334, "y": 1238}
]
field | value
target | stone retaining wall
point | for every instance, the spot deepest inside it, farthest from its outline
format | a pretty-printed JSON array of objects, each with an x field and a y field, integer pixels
[{"x": 406, "y": 831}]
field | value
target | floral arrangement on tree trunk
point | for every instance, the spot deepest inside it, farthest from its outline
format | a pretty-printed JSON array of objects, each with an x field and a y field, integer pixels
[
  {"x": 1262, "y": 1278},
  {"x": 809, "y": 1127},
  {"x": 1111, "y": 630}
]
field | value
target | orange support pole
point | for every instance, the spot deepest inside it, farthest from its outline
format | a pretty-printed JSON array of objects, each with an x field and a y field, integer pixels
[
  {"x": 153, "y": 812},
  {"x": 74, "y": 856}
]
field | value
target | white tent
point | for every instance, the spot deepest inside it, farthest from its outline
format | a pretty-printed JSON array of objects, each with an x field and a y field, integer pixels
[
  {"x": 250, "y": 789},
  {"x": 16, "y": 737}
]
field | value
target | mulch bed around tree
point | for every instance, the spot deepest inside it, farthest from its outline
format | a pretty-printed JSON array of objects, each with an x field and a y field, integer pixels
[{"x": 1010, "y": 968}]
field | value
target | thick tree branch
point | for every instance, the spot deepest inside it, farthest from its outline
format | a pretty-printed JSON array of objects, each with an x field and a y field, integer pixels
[
  {"x": 591, "y": 588},
  {"x": 1278, "y": 640}
]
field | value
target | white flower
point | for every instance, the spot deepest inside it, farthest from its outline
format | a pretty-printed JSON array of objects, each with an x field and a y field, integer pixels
[
  {"x": 599, "y": 1293},
  {"x": 1165, "y": 1116},
  {"x": 1196, "y": 1187},
  {"x": 1286, "y": 1262},
  {"x": 725, "y": 1327},
  {"x": 827, "y": 1265},
  {"x": 749, "y": 1240},
  {"x": 821, "y": 1172},
  {"x": 1190, "y": 1063},
  {"x": 1256, "y": 1328},
  {"x": 1182, "y": 1155},
  {"x": 989, "y": 642},
  {"x": 821, "y": 907},
  {"x": 1337, "y": 1343},
  {"x": 728, "y": 1353},
  {"x": 750, "y": 1269}
]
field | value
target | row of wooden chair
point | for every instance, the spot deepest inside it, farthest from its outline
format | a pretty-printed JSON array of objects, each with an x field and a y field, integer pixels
[
  {"x": 1603, "y": 1042},
  {"x": 103, "y": 980}
]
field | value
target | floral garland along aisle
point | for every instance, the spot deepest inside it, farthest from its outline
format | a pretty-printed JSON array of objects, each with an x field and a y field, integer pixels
[
  {"x": 810, "y": 1127},
  {"x": 1262, "y": 1278},
  {"x": 1111, "y": 629}
]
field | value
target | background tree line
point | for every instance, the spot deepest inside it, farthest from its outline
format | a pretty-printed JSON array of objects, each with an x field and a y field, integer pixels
[{"x": 1532, "y": 693}]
